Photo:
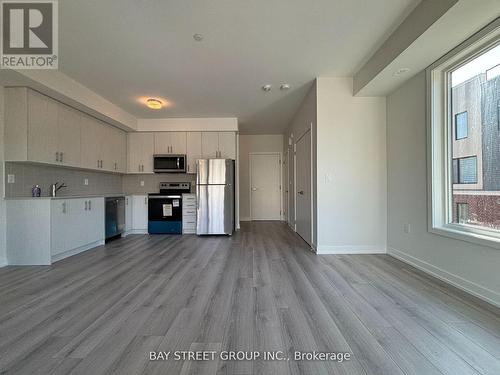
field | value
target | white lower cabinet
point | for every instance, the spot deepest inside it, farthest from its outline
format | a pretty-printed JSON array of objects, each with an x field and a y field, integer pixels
[
  {"x": 188, "y": 213},
  {"x": 128, "y": 214},
  {"x": 139, "y": 214},
  {"x": 76, "y": 225}
]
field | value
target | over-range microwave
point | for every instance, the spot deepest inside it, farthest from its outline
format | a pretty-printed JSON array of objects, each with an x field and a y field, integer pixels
[{"x": 169, "y": 163}]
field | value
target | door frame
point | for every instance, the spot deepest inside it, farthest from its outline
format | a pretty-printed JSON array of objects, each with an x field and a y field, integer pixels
[
  {"x": 311, "y": 182},
  {"x": 279, "y": 154}
]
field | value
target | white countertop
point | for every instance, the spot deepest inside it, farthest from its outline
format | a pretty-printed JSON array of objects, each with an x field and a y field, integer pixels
[{"x": 69, "y": 197}]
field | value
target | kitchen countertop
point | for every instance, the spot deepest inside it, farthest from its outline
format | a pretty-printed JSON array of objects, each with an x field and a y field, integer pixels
[{"x": 69, "y": 197}]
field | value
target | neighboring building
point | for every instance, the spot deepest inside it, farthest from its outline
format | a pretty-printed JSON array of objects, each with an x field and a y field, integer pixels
[{"x": 476, "y": 151}]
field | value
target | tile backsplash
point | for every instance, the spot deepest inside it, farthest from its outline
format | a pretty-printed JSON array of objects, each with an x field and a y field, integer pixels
[
  {"x": 132, "y": 183},
  {"x": 27, "y": 175}
]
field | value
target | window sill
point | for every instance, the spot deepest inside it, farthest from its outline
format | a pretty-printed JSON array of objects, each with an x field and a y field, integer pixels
[{"x": 452, "y": 231}]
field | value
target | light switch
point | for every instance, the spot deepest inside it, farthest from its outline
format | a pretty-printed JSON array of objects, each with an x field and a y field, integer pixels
[
  {"x": 407, "y": 228},
  {"x": 328, "y": 178},
  {"x": 86, "y": 182},
  {"x": 142, "y": 183},
  {"x": 11, "y": 178}
]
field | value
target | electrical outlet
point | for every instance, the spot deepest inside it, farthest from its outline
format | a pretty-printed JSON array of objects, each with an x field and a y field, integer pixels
[
  {"x": 86, "y": 182},
  {"x": 407, "y": 228},
  {"x": 142, "y": 183},
  {"x": 11, "y": 178}
]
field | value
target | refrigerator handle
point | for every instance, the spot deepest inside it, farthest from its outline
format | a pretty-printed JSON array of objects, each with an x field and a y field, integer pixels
[{"x": 197, "y": 199}]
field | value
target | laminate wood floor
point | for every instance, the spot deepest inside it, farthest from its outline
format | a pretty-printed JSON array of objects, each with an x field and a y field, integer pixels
[{"x": 105, "y": 310}]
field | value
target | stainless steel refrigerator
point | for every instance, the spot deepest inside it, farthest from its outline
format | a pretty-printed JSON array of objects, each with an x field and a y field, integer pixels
[{"x": 215, "y": 196}]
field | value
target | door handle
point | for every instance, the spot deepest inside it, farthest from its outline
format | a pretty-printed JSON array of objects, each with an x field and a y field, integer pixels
[
  {"x": 301, "y": 192},
  {"x": 254, "y": 189}
]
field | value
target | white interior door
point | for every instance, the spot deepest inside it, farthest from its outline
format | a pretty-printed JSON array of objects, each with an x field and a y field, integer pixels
[
  {"x": 303, "y": 186},
  {"x": 291, "y": 188},
  {"x": 265, "y": 179}
]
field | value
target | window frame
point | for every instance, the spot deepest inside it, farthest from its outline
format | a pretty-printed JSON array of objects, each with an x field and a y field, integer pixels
[
  {"x": 466, "y": 123},
  {"x": 460, "y": 174},
  {"x": 439, "y": 140}
]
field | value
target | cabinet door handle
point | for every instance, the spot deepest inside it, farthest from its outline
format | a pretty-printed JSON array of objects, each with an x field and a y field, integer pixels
[
  {"x": 145, "y": 200},
  {"x": 90, "y": 205},
  {"x": 64, "y": 207},
  {"x": 98, "y": 164},
  {"x": 86, "y": 205},
  {"x": 57, "y": 156},
  {"x": 126, "y": 201},
  {"x": 61, "y": 156},
  {"x": 188, "y": 167}
]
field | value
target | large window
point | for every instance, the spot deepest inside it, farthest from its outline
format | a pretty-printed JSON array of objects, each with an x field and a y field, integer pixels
[{"x": 464, "y": 152}]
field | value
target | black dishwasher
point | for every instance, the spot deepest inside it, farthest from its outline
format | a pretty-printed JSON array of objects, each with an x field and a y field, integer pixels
[{"x": 115, "y": 217}]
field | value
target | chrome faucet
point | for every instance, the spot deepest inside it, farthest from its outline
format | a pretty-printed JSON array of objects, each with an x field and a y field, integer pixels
[{"x": 54, "y": 188}]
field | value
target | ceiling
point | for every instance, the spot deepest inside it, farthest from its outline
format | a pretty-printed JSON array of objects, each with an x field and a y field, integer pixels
[{"x": 129, "y": 50}]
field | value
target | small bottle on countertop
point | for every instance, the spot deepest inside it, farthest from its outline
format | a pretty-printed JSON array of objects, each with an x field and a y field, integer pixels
[{"x": 36, "y": 191}]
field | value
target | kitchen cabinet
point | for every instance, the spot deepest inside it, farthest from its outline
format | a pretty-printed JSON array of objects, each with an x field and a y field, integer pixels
[
  {"x": 139, "y": 213},
  {"x": 128, "y": 214},
  {"x": 58, "y": 228},
  {"x": 76, "y": 224},
  {"x": 140, "y": 152},
  {"x": 227, "y": 145},
  {"x": 193, "y": 150},
  {"x": 188, "y": 213},
  {"x": 209, "y": 145},
  {"x": 170, "y": 143},
  {"x": 218, "y": 145},
  {"x": 69, "y": 135},
  {"x": 40, "y": 129}
]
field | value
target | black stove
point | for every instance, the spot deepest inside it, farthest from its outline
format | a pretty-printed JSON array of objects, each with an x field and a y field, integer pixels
[{"x": 165, "y": 208}]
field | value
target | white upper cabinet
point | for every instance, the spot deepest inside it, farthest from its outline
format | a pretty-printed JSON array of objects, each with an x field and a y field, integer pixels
[
  {"x": 227, "y": 145},
  {"x": 193, "y": 150},
  {"x": 209, "y": 145},
  {"x": 69, "y": 137},
  {"x": 218, "y": 145},
  {"x": 170, "y": 143},
  {"x": 40, "y": 129},
  {"x": 140, "y": 152}
]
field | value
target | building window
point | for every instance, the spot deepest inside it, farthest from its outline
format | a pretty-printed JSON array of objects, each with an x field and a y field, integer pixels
[
  {"x": 461, "y": 125},
  {"x": 465, "y": 170},
  {"x": 464, "y": 178},
  {"x": 462, "y": 213}
]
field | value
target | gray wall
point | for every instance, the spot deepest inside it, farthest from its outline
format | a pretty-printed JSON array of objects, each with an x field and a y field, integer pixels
[
  {"x": 132, "y": 183},
  {"x": 469, "y": 266},
  {"x": 28, "y": 175}
]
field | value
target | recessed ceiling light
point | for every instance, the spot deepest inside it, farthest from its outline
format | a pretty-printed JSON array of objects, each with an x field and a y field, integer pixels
[
  {"x": 401, "y": 71},
  {"x": 266, "y": 88},
  {"x": 198, "y": 37},
  {"x": 284, "y": 86},
  {"x": 154, "y": 103}
]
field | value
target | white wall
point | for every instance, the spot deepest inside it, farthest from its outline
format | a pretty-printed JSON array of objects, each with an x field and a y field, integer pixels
[
  {"x": 248, "y": 144},
  {"x": 3, "y": 245},
  {"x": 471, "y": 267},
  {"x": 351, "y": 169}
]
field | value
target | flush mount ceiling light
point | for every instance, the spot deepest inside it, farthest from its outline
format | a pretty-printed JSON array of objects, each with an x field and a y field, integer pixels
[
  {"x": 284, "y": 86},
  {"x": 401, "y": 71},
  {"x": 266, "y": 88},
  {"x": 154, "y": 103},
  {"x": 198, "y": 37}
]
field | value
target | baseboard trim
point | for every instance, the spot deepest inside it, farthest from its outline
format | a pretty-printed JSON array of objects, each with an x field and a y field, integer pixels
[
  {"x": 350, "y": 249},
  {"x": 135, "y": 231},
  {"x": 467, "y": 286},
  {"x": 78, "y": 250},
  {"x": 245, "y": 219}
]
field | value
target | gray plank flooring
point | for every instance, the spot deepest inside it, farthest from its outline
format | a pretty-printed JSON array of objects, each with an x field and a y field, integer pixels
[{"x": 103, "y": 311}]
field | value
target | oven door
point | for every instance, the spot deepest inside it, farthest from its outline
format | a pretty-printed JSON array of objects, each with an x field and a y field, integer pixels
[
  {"x": 169, "y": 163},
  {"x": 165, "y": 214}
]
